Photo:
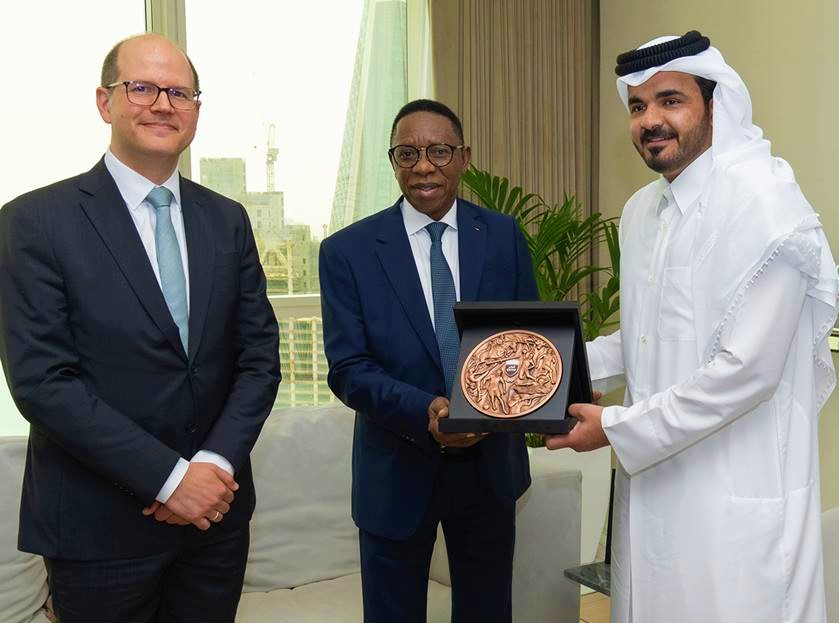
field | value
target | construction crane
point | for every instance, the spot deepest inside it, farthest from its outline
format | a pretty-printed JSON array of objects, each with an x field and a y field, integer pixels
[
  {"x": 271, "y": 158},
  {"x": 277, "y": 262}
]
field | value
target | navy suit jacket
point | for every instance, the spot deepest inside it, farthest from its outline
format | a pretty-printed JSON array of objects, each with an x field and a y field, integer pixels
[
  {"x": 385, "y": 364},
  {"x": 94, "y": 362}
]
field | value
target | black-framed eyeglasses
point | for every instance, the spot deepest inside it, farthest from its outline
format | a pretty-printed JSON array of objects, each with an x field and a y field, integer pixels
[
  {"x": 146, "y": 94},
  {"x": 406, "y": 156}
]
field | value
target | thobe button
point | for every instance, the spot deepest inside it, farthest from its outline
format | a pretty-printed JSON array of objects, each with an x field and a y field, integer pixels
[
  {"x": 650, "y": 280},
  {"x": 643, "y": 339},
  {"x": 191, "y": 428}
]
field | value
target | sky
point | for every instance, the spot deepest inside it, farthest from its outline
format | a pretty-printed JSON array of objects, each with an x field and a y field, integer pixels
[
  {"x": 283, "y": 62},
  {"x": 291, "y": 67}
]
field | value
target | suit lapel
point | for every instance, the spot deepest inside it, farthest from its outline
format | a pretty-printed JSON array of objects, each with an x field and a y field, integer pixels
[
  {"x": 201, "y": 254},
  {"x": 106, "y": 210},
  {"x": 397, "y": 260},
  {"x": 471, "y": 244}
]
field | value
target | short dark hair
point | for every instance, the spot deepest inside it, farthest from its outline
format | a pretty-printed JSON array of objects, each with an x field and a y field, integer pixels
[
  {"x": 110, "y": 70},
  {"x": 428, "y": 106},
  {"x": 706, "y": 87}
]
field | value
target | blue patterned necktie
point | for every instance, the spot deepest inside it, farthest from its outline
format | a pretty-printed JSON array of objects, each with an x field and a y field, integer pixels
[
  {"x": 169, "y": 264},
  {"x": 444, "y": 295}
]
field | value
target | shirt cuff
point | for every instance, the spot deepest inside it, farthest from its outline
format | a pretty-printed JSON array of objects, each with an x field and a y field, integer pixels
[
  {"x": 168, "y": 488},
  {"x": 610, "y": 416},
  {"x": 205, "y": 456}
]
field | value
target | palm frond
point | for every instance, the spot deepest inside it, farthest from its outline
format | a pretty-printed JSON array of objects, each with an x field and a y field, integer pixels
[{"x": 560, "y": 246}]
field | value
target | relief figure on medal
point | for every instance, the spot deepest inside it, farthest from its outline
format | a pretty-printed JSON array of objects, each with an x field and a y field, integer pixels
[{"x": 511, "y": 373}]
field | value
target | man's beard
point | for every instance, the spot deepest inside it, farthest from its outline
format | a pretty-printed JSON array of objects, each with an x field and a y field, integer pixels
[{"x": 689, "y": 146}]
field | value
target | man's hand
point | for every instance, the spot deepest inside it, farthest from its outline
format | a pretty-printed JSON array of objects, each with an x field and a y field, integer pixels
[
  {"x": 439, "y": 408},
  {"x": 587, "y": 435},
  {"x": 163, "y": 513},
  {"x": 204, "y": 495}
]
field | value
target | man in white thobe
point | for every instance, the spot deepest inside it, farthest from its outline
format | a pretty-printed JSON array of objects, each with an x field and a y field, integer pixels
[{"x": 728, "y": 292}]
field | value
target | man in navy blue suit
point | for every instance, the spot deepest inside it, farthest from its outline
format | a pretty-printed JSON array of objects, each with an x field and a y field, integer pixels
[
  {"x": 138, "y": 340},
  {"x": 388, "y": 284}
]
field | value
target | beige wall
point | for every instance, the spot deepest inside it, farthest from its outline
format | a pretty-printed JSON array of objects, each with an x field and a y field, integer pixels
[
  {"x": 829, "y": 442},
  {"x": 788, "y": 55}
]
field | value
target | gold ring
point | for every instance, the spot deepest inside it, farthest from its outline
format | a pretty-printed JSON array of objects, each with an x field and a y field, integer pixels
[{"x": 217, "y": 516}]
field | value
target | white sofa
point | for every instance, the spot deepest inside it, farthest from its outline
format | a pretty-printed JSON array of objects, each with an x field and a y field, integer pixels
[
  {"x": 303, "y": 563},
  {"x": 23, "y": 580}
]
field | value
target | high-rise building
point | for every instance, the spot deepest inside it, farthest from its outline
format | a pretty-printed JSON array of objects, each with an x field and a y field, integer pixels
[
  {"x": 303, "y": 366},
  {"x": 288, "y": 254},
  {"x": 225, "y": 176},
  {"x": 266, "y": 211},
  {"x": 304, "y": 252},
  {"x": 365, "y": 182}
]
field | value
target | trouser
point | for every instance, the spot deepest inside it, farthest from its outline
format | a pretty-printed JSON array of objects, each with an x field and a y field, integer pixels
[
  {"x": 480, "y": 537},
  {"x": 200, "y": 580}
]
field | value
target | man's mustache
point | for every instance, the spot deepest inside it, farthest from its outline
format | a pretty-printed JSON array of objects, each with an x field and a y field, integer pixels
[{"x": 656, "y": 133}]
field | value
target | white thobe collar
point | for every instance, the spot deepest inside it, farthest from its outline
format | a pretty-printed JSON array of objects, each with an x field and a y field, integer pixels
[{"x": 688, "y": 185}]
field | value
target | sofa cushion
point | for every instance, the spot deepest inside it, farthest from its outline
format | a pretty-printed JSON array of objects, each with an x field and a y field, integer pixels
[
  {"x": 23, "y": 587},
  {"x": 439, "y": 571},
  {"x": 332, "y": 601},
  {"x": 302, "y": 530}
]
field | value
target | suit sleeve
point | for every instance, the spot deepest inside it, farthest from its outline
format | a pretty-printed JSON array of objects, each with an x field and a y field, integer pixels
[
  {"x": 526, "y": 280},
  {"x": 42, "y": 365},
  {"x": 354, "y": 375},
  {"x": 257, "y": 375}
]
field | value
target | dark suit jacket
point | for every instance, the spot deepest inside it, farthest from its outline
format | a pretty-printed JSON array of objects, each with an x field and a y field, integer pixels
[
  {"x": 94, "y": 362},
  {"x": 385, "y": 364}
]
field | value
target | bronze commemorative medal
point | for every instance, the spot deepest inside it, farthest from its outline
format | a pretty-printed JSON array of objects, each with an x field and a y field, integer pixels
[{"x": 511, "y": 373}]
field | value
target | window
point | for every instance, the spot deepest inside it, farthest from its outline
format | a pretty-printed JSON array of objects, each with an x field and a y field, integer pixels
[
  {"x": 295, "y": 122},
  {"x": 297, "y": 129},
  {"x": 52, "y": 128}
]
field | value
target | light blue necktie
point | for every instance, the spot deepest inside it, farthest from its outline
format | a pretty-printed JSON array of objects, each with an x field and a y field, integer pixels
[
  {"x": 169, "y": 264},
  {"x": 444, "y": 295}
]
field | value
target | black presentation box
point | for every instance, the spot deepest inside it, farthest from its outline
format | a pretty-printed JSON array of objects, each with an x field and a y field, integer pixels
[{"x": 560, "y": 324}]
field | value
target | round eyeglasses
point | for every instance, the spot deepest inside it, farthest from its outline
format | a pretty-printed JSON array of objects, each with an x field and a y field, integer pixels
[
  {"x": 406, "y": 156},
  {"x": 146, "y": 94}
]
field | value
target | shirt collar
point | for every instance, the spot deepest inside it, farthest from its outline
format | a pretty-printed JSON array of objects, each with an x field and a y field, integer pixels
[
  {"x": 415, "y": 220},
  {"x": 687, "y": 187},
  {"x": 133, "y": 187}
]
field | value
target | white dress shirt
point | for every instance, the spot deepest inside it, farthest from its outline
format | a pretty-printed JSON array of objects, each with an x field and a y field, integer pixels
[
  {"x": 134, "y": 189},
  {"x": 420, "y": 239}
]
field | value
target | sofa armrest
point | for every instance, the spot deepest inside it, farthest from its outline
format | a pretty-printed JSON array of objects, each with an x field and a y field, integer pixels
[
  {"x": 548, "y": 520},
  {"x": 23, "y": 578}
]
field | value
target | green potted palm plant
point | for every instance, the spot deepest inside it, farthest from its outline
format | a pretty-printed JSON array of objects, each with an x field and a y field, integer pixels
[{"x": 560, "y": 238}]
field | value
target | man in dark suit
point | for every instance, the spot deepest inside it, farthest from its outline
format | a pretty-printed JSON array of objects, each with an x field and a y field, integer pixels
[
  {"x": 137, "y": 339},
  {"x": 388, "y": 284}
]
